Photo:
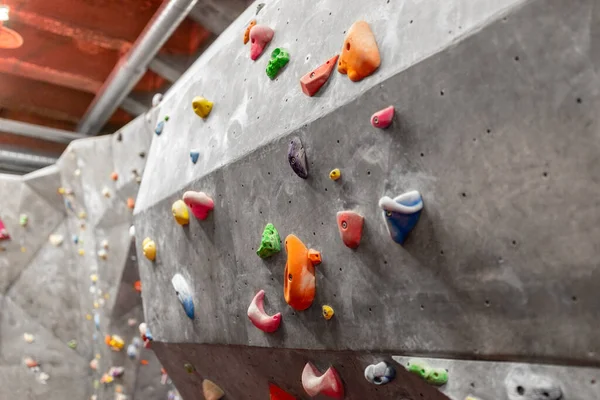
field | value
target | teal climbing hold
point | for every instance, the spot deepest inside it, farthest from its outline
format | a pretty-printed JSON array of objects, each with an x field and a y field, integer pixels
[
  {"x": 279, "y": 58},
  {"x": 270, "y": 242}
]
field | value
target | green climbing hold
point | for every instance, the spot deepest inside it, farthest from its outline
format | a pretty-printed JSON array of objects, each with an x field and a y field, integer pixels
[
  {"x": 72, "y": 344},
  {"x": 270, "y": 242},
  {"x": 279, "y": 58},
  {"x": 189, "y": 368},
  {"x": 419, "y": 368},
  {"x": 437, "y": 376}
]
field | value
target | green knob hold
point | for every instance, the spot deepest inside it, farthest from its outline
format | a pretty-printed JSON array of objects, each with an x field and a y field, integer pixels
[
  {"x": 189, "y": 368},
  {"x": 279, "y": 58},
  {"x": 437, "y": 376},
  {"x": 419, "y": 368},
  {"x": 270, "y": 242},
  {"x": 72, "y": 344},
  {"x": 23, "y": 219}
]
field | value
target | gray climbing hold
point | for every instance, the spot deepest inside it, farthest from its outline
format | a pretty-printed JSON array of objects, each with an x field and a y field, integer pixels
[{"x": 523, "y": 384}]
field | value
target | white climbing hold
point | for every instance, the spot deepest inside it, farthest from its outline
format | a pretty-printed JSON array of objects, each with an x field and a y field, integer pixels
[
  {"x": 156, "y": 99},
  {"x": 104, "y": 244},
  {"x": 28, "y": 337},
  {"x": 77, "y": 172},
  {"x": 56, "y": 239},
  {"x": 132, "y": 231},
  {"x": 102, "y": 254},
  {"x": 106, "y": 192}
]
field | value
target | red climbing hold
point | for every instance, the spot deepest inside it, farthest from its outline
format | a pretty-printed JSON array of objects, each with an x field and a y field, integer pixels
[
  {"x": 350, "y": 225},
  {"x": 277, "y": 393},
  {"x": 314, "y": 80},
  {"x": 138, "y": 286},
  {"x": 3, "y": 232},
  {"x": 260, "y": 36},
  {"x": 383, "y": 118}
]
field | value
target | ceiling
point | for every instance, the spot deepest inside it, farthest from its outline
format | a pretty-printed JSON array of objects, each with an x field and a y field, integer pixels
[{"x": 70, "y": 48}]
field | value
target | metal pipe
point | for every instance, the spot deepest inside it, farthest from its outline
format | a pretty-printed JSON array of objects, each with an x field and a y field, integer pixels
[
  {"x": 134, "y": 64},
  {"x": 37, "y": 131},
  {"x": 24, "y": 160}
]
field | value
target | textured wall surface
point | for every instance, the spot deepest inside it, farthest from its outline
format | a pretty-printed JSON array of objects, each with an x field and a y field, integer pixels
[
  {"x": 47, "y": 291},
  {"x": 495, "y": 125}
]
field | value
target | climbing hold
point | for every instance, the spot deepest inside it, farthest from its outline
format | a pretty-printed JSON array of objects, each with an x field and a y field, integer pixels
[
  {"x": 56, "y": 239},
  {"x": 94, "y": 277},
  {"x": 97, "y": 321},
  {"x": 30, "y": 362},
  {"x": 119, "y": 137},
  {"x": 312, "y": 82},
  {"x": 3, "y": 232},
  {"x": 201, "y": 106},
  {"x": 114, "y": 176},
  {"x": 132, "y": 231},
  {"x": 156, "y": 99},
  {"x": 61, "y": 190},
  {"x": 77, "y": 172},
  {"x": 328, "y": 384},
  {"x": 194, "y": 155},
  {"x": 335, "y": 174},
  {"x": 260, "y": 36},
  {"x": 149, "y": 249},
  {"x": 137, "y": 285},
  {"x": 350, "y": 225},
  {"x": 259, "y": 7},
  {"x": 106, "y": 192},
  {"x": 23, "y": 249},
  {"x": 81, "y": 252},
  {"x": 299, "y": 276},
  {"x": 144, "y": 362},
  {"x": 116, "y": 371},
  {"x": 297, "y": 158},
  {"x": 401, "y": 214},
  {"x": 383, "y": 118},
  {"x": 106, "y": 378},
  {"x": 82, "y": 215},
  {"x": 419, "y": 368},
  {"x": 180, "y": 212},
  {"x": 28, "y": 337},
  {"x": 189, "y": 368},
  {"x": 327, "y": 312},
  {"x": 94, "y": 364},
  {"x": 380, "y": 373},
  {"x": 260, "y": 319},
  {"x": 166, "y": 118},
  {"x": 159, "y": 127},
  {"x": 523, "y": 384},
  {"x": 75, "y": 239},
  {"x": 69, "y": 205},
  {"x": 72, "y": 344},
  {"x": 247, "y": 31},
  {"x": 437, "y": 376},
  {"x": 132, "y": 351},
  {"x": 145, "y": 332},
  {"x": 270, "y": 242},
  {"x": 211, "y": 391},
  {"x": 102, "y": 254},
  {"x": 200, "y": 203},
  {"x": 142, "y": 154},
  {"x": 115, "y": 342},
  {"x": 279, "y": 58},
  {"x": 23, "y": 220},
  {"x": 130, "y": 203},
  {"x": 360, "y": 55},
  {"x": 277, "y": 393},
  {"x": 131, "y": 321},
  {"x": 184, "y": 293}
]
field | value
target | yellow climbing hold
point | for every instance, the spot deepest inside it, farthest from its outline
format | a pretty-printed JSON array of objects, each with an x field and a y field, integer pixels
[
  {"x": 328, "y": 312},
  {"x": 180, "y": 212},
  {"x": 149, "y": 249},
  {"x": 98, "y": 356},
  {"x": 201, "y": 106},
  {"x": 23, "y": 249},
  {"x": 61, "y": 190},
  {"x": 88, "y": 317},
  {"x": 335, "y": 174},
  {"x": 82, "y": 215},
  {"x": 96, "y": 305},
  {"x": 81, "y": 252},
  {"x": 106, "y": 296},
  {"x": 94, "y": 278}
]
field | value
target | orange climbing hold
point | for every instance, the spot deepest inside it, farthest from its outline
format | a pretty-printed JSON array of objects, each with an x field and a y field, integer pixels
[
  {"x": 277, "y": 393},
  {"x": 138, "y": 286},
  {"x": 247, "y": 33},
  {"x": 314, "y": 80},
  {"x": 144, "y": 362},
  {"x": 131, "y": 202},
  {"x": 360, "y": 55},
  {"x": 299, "y": 279},
  {"x": 114, "y": 176}
]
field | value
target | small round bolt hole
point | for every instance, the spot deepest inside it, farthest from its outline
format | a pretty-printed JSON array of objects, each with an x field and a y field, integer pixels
[
  {"x": 579, "y": 100},
  {"x": 290, "y": 277},
  {"x": 521, "y": 390},
  {"x": 516, "y": 58},
  {"x": 422, "y": 155},
  {"x": 545, "y": 174},
  {"x": 441, "y": 93},
  {"x": 574, "y": 298},
  {"x": 463, "y": 194},
  {"x": 487, "y": 303},
  {"x": 370, "y": 310},
  {"x": 348, "y": 46}
]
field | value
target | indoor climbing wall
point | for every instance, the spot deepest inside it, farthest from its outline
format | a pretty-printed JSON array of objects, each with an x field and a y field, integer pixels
[
  {"x": 70, "y": 276},
  {"x": 468, "y": 209}
]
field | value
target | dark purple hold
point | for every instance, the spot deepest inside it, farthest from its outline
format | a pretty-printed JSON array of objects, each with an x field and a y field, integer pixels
[{"x": 297, "y": 158}]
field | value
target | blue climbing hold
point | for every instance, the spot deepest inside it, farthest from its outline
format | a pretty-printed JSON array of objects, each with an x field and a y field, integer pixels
[
  {"x": 194, "y": 154},
  {"x": 159, "y": 127},
  {"x": 75, "y": 239},
  {"x": 69, "y": 205},
  {"x": 401, "y": 214},
  {"x": 149, "y": 335},
  {"x": 184, "y": 294},
  {"x": 97, "y": 321}
]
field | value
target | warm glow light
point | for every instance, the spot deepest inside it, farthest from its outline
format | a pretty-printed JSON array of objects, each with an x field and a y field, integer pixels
[{"x": 4, "y": 13}]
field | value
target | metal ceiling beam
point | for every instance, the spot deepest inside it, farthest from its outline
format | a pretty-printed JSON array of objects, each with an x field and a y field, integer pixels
[
  {"x": 22, "y": 161},
  {"x": 38, "y": 132},
  {"x": 134, "y": 64},
  {"x": 60, "y": 28},
  {"x": 165, "y": 69},
  {"x": 133, "y": 107},
  {"x": 217, "y": 15},
  {"x": 27, "y": 70}
]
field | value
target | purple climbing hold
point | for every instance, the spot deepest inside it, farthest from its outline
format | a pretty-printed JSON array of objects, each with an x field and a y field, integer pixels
[{"x": 297, "y": 158}]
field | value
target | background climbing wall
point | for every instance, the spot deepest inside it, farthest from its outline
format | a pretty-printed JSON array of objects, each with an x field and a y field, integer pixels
[
  {"x": 57, "y": 292},
  {"x": 495, "y": 125}
]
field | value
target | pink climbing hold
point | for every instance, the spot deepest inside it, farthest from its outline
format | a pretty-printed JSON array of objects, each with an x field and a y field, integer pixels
[
  {"x": 383, "y": 118},
  {"x": 350, "y": 225},
  {"x": 199, "y": 203},
  {"x": 329, "y": 384},
  {"x": 3, "y": 232},
  {"x": 258, "y": 316},
  {"x": 260, "y": 36}
]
